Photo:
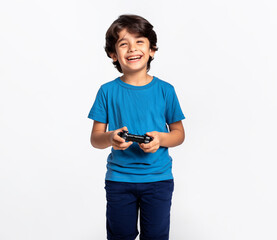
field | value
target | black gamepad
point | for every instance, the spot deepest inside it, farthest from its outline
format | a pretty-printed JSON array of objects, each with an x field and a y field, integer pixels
[{"x": 135, "y": 138}]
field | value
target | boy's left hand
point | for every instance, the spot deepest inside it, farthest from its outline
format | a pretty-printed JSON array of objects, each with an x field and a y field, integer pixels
[{"x": 154, "y": 145}]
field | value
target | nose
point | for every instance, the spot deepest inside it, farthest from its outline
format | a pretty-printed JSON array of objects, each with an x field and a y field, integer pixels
[{"x": 132, "y": 48}]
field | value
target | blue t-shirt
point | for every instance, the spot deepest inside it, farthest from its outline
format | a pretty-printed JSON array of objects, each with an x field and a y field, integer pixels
[{"x": 141, "y": 109}]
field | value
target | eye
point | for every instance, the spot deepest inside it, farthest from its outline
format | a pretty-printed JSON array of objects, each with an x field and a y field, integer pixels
[
  {"x": 122, "y": 44},
  {"x": 140, "y": 41}
]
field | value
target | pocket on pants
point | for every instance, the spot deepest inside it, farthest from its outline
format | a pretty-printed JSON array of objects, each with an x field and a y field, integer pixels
[
  {"x": 115, "y": 191},
  {"x": 164, "y": 189}
]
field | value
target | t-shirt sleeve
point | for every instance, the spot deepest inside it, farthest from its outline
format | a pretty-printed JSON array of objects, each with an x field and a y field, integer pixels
[
  {"x": 173, "y": 111},
  {"x": 98, "y": 111}
]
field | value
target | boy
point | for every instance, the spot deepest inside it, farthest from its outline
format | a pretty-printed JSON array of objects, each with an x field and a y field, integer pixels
[{"x": 138, "y": 175}]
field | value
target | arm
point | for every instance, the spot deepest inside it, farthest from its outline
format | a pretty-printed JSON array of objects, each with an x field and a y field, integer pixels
[
  {"x": 175, "y": 137},
  {"x": 101, "y": 139}
]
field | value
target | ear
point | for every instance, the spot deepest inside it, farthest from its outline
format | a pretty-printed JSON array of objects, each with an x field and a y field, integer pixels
[
  {"x": 152, "y": 52},
  {"x": 113, "y": 56}
]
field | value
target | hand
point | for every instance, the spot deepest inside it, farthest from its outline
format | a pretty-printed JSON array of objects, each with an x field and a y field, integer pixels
[
  {"x": 154, "y": 145},
  {"x": 117, "y": 142}
]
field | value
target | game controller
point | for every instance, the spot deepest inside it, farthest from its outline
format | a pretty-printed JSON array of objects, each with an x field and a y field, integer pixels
[{"x": 135, "y": 138}]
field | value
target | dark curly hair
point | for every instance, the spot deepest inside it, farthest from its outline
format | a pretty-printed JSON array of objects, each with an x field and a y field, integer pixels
[{"x": 134, "y": 24}]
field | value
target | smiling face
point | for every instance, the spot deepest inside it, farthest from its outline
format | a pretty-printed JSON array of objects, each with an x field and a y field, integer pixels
[{"x": 132, "y": 52}]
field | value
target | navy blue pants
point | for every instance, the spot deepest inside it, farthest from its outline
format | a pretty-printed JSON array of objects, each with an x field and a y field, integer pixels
[{"x": 124, "y": 200}]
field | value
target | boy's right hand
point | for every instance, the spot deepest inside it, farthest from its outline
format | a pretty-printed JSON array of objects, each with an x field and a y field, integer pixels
[{"x": 118, "y": 143}]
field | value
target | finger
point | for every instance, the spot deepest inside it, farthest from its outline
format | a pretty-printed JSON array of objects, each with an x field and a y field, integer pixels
[
  {"x": 119, "y": 147},
  {"x": 115, "y": 147},
  {"x": 146, "y": 150},
  {"x": 117, "y": 143},
  {"x": 124, "y": 128},
  {"x": 125, "y": 144},
  {"x": 143, "y": 147},
  {"x": 129, "y": 144},
  {"x": 147, "y": 145},
  {"x": 150, "y": 134},
  {"x": 122, "y": 146},
  {"x": 118, "y": 138},
  {"x": 121, "y": 129},
  {"x": 151, "y": 150}
]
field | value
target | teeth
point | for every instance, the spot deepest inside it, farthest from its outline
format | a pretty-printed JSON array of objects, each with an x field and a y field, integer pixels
[{"x": 132, "y": 58}]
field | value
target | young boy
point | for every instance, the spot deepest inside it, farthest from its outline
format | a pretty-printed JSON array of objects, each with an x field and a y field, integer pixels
[{"x": 139, "y": 176}]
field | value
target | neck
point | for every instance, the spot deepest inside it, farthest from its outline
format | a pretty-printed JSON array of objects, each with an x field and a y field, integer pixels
[{"x": 136, "y": 79}]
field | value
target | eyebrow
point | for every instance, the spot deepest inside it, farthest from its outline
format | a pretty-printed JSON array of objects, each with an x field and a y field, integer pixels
[{"x": 122, "y": 39}]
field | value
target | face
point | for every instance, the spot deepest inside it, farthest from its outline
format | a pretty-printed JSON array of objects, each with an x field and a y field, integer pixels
[{"x": 130, "y": 46}]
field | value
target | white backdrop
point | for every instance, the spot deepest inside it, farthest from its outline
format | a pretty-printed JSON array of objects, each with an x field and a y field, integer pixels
[{"x": 220, "y": 56}]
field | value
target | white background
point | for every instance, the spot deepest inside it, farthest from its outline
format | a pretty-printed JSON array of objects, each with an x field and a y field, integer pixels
[{"x": 221, "y": 58}]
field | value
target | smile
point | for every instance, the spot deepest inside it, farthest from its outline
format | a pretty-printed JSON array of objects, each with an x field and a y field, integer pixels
[{"x": 134, "y": 59}]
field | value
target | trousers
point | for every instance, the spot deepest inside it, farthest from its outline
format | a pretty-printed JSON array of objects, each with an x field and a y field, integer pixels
[{"x": 126, "y": 201}]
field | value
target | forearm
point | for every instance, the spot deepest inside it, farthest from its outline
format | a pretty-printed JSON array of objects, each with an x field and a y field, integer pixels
[
  {"x": 171, "y": 139},
  {"x": 101, "y": 139}
]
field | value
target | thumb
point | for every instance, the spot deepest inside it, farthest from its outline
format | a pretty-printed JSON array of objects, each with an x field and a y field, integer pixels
[
  {"x": 121, "y": 129},
  {"x": 124, "y": 128},
  {"x": 150, "y": 134}
]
